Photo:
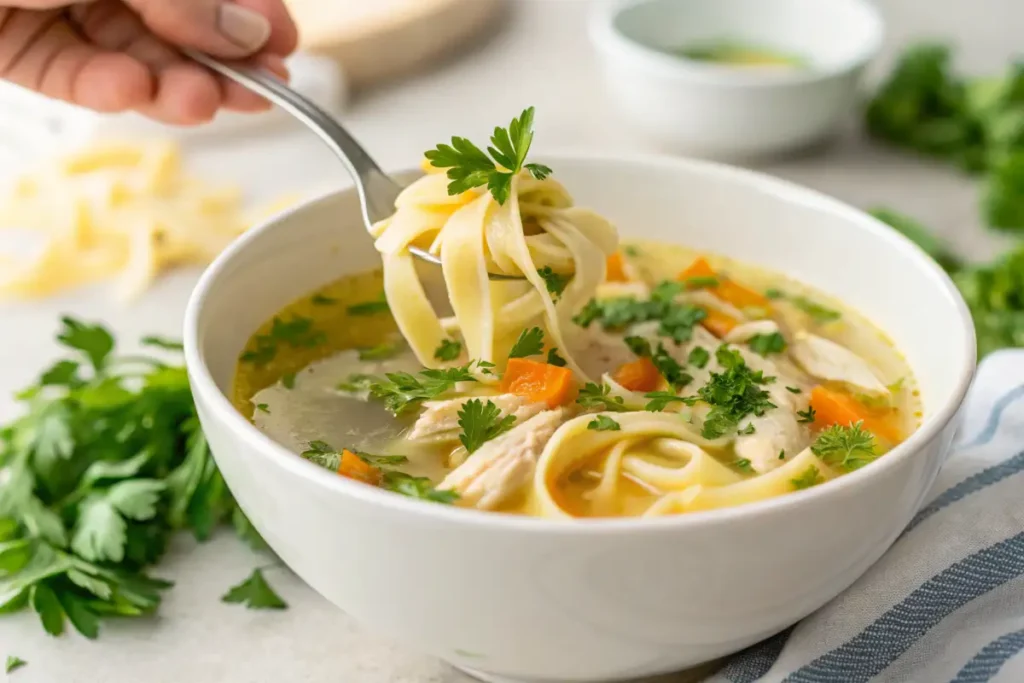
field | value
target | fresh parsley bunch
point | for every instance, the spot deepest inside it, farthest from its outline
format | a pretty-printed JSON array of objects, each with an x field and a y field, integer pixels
[
  {"x": 107, "y": 462},
  {"x": 468, "y": 166}
]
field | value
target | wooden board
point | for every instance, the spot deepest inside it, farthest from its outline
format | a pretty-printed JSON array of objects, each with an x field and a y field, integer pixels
[{"x": 374, "y": 40}]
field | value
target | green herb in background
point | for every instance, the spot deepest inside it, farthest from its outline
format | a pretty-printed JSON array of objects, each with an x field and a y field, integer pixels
[
  {"x": 255, "y": 593},
  {"x": 107, "y": 462},
  {"x": 13, "y": 664},
  {"x": 919, "y": 235},
  {"x": 975, "y": 123}
]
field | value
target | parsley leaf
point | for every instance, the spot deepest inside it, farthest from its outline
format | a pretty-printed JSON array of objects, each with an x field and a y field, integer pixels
[
  {"x": 597, "y": 396},
  {"x": 808, "y": 478},
  {"x": 481, "y": 422},
  {"x": 676, "y": 320},
  {"x": 92, "y": 340},
  {"x": 374, "y": 307},
  {"x": 162, "y": 343},
  {"x": 794, "y": 390},
  {"x": 667, "y": 366},
  {"x": 298, "y": 332},
  {"x": 380, "y": 351},
  {"x": 732, "y": 394},
  {"x": 766, "y": 344},
  {"x": 603, "y": 423},
  {"x": 555, "y": 283},
  {"x": 743, "y": 465},
  {"x": 469, "y": 167},
  {"x": 416, "y": 487},
  {"x": 448, "y": 350},
  {"x": 847, "y": 447},
  {"x": 699, "y": 357},
  {"x": 403, "y": 391},
  {"x": 13, "y": 664},
  {"x": 322, "y": 300},
  {"x": 262, "y": 407},
  {"x": 288, "y": 380},
  {"x": 820, "y": 314},
  {"x": 254, "y": 593},
  {"x": 806, "y": 416},
  {"x": 661, "y": 399},
  {"x": 555, "y": 359},
  {"x": 530, "y": 343}
]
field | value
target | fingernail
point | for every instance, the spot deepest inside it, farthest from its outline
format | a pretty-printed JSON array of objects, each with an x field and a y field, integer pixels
[{"x": 243, "y": 27}]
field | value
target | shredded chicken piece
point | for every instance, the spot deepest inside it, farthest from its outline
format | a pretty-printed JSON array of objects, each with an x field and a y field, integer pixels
[
  {"x": 777, "y": 437},
  {"x": 440, "y": 419},
  {"x": 747, "y": 331},
  {"x": 598, "y": 351},
  {"x": 502, "y": 466},
  {"x": 829, "y": 361}
]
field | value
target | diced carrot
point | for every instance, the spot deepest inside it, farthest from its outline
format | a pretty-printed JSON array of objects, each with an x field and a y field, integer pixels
[
  {"x": 616, "y": 268},
  {"x": 539, "y": 382},
  {"x": 718, "y": 323},
  {"x": 638, "y": 375},
  {"x": 699, "y": 268},
  {"x": 354, "y": 467},
  {"x": 833, "y": 407},
  {"x": 727, "y": 290}
]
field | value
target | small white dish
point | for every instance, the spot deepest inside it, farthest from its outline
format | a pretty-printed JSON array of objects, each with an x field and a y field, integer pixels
[
  {"x": 714, "y": 110},
  {"x": 519, "y": 598}
]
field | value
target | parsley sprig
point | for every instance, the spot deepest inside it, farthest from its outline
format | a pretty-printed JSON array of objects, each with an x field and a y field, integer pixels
[
  {"x": 676, "y": 320},
  {"x": 106, "y": 463},
  {"x": 482, "y": 422},
  {"x": 599, "y": 396},
  {"x": 404, "y": 391},
  {"x": 733, "y": 394},
  {"x": 849, "y": 447},
  {"x": 530, "y": 343},
  {"x": 468, "y": 166}
]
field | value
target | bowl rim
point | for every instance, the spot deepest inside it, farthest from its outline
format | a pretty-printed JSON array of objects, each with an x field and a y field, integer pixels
[
  {"x": 221, "y": 408},
  {"x": 607, "y": 37}
]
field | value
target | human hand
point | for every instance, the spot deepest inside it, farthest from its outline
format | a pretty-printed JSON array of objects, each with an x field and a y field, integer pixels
[{"x": 119, "y": 55}]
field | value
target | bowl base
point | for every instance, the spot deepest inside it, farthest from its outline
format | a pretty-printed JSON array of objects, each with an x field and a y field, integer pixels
[{"x": 495, "y": 678}]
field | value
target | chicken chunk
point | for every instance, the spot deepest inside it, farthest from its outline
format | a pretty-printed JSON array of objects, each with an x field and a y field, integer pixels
[
  {"x": 598, "y": 351},
  {"x": 502, "y": 466},
  {"x": 440, "y": 419},
  {"x": 777, "y": 436},
  {"x": 829, "y": 361},
  {"x": 746, "y": 331}
]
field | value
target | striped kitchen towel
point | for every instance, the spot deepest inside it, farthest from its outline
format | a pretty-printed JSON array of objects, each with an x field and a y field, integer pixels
[{"x": 946, "y": 602}]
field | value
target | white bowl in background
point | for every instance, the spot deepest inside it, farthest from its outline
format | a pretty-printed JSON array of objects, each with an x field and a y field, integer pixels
[
  {"x": 721, "y": 111},
  {"x": 589, "y": 600}
]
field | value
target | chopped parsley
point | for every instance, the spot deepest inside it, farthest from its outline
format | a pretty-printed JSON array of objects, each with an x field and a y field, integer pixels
[
  {"x": 365, "y": 308},
  {"x": 298, "y": 332},
  {"x": 468, "y": 166},
  {"x": 743, "y": 465},
  {"x": 555, "y": 359},
  {"x": 13, "y": 663},
  {"x": 597, "y": 396},
  {"x": 701, "y": 282},
  {"x": 820, "y": 314},
  {"x": 699, "y": 357},
  {"x": 323, "y": 300},
  {"x": 288, "y": 380},
  {"x": 667, "y": 366},
  {"x": 794, "y": 390},
  {"x": 748, "y": 430},
  {"x": 766, "y": 344},
  {"x": 416, "y": 487},
  {"x": 847, "y": 447},
  {"x": 356, "y": 382},
  {"x": 530, "y": 343},
  {"x": 448, "y": 350},
  {"x": 262, "y": 407},
  {"x": 631, "y": 250},
  {"x": 380, "y": 351},
  {"x": 481, "y": 422},
  {"x": 732, "y": 394},
  {"x": 808, "y": 478},
  {"x": 603, "y": 423},
  {"x": 806, "y": 416},
  {"x": 404, "y": 391},
  {"x": 659, "y": 400},
  {"x": 676, "y": 319},
  {"x": 555, "y": 283}
]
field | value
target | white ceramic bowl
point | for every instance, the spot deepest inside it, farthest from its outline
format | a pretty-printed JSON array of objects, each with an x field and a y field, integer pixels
[
  {"x": 536, "y": 599},
  {"x": 727, "y": 112}
]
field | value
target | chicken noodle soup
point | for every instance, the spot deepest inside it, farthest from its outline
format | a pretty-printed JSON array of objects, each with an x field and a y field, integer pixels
[{"x": 635, "y": 379}]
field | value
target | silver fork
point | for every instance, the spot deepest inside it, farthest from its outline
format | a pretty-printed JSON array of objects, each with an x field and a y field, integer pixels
[{"x": 377, "y": 191}]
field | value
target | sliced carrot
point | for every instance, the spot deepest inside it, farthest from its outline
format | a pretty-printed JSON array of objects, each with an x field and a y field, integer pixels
[
  {"x": 718, "y": 323},
  {"x": 836, "y": 408},
  {"x": 727, "y": 290},
  {"x": 638, "y": 375},
  {"x": 616, "y": 268},
  {"x": 539, "y": 382},
  {"x": 354, "y": 467}
]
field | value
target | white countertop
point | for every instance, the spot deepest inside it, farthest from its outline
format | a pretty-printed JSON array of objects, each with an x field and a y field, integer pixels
[{"x": 539, "y": 57}]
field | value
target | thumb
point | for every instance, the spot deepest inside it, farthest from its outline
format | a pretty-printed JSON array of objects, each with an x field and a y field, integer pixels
[{"x": 219, "y": 27}]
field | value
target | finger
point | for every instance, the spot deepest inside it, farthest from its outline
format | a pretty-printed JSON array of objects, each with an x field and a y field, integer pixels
[
  {"x": 284, "y": 35},
  {"x": 240, "y": 98},
  {"x": 42, "y": 4},
  {"x": 185, "y": 93},
  {"x": 222, "y": 28},
  {"x": 42, "y": 52}
]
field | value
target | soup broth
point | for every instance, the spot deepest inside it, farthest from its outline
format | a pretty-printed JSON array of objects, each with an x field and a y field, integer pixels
[{"x": 769, "y": 388}]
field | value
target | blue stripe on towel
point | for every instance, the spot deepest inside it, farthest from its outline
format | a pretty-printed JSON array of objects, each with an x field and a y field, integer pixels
[
  {"x": 990, "y": 659},
  {"x": 988, "y": 432},
  {"x": 756, "y": 661},
  {"x": 972, "y": 484},
  {"x": 872, "y": 650}
]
